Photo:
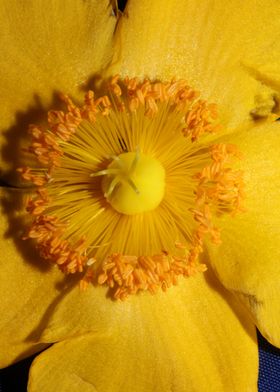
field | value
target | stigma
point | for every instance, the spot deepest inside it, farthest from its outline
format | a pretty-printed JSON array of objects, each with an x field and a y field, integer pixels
[{"x": 133, "y": 183}]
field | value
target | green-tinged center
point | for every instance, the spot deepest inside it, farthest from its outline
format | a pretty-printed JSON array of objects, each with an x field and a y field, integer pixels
[{"x": 134, "y": 183}]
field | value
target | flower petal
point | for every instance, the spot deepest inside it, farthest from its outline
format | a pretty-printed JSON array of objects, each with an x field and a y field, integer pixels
[
  {"x": 46, "y": 48},
  {"x": 247, "y": 261},
  {"x": 192, "y": 338},
  {"x": 266, "y": 65},
  {"x": 204, "y": 42},
  {"x": 39, "y": 305},
  {"x": 190, "y": 321},
  {"x": 27, "y": 288}
]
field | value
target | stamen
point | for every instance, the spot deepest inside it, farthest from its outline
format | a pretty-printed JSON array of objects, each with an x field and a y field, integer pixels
[
  {"x": 138, "y": 173},
  {"x": 135, "y": 161}
]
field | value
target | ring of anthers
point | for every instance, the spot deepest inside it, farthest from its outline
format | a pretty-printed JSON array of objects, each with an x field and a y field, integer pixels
[{"x": 143, "y": 139}]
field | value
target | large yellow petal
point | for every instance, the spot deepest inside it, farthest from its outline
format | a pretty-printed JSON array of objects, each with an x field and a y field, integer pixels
[
  {"x": 39, "y": 307},
  {"x": 47, "y": 47},
  {"x": 247, "y": 261},
  {"x": 205, "y": 42},
  {"x": 27, "y": 287},
  {"x": 265, "y": 66},
  {"x": 192, "y": 338}
]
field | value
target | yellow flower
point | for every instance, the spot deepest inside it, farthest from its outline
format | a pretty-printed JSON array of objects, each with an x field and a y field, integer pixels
[{"x": 199, "y": 335}]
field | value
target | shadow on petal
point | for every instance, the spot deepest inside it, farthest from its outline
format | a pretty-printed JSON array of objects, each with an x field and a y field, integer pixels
[
  {"x": 17, "y": 139},
  {"x": 237, "y": 307}
]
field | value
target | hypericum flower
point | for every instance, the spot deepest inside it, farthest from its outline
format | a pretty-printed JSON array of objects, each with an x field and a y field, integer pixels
[{"x": 130, "y": 189}]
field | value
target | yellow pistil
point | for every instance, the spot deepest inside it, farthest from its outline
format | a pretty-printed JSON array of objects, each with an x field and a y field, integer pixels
[
  {"x": 128, "y": 185},
  {"x": 133, "y": 183}
]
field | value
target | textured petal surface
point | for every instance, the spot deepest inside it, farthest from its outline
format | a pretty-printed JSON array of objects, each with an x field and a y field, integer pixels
[
  {"x": 27, "y": 287},
  {"x": 247, "y": 261},
  {"x": 265, "y": 66},
  {"x": 38, "y": 308},
  {"x": 204, "y": 42},
  {"x": 47, "y": 47},
  {"x": 192, "y": 338},
  {"x": 39, "y": 305}
]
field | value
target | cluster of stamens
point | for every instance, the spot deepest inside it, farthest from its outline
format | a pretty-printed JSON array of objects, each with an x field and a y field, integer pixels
[{"x": 219, "y": 188}]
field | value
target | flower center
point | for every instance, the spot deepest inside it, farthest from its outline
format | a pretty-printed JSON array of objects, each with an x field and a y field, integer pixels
[
  {"x": 139, "y": 222},
  {"x": 133, "y": 183}
]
